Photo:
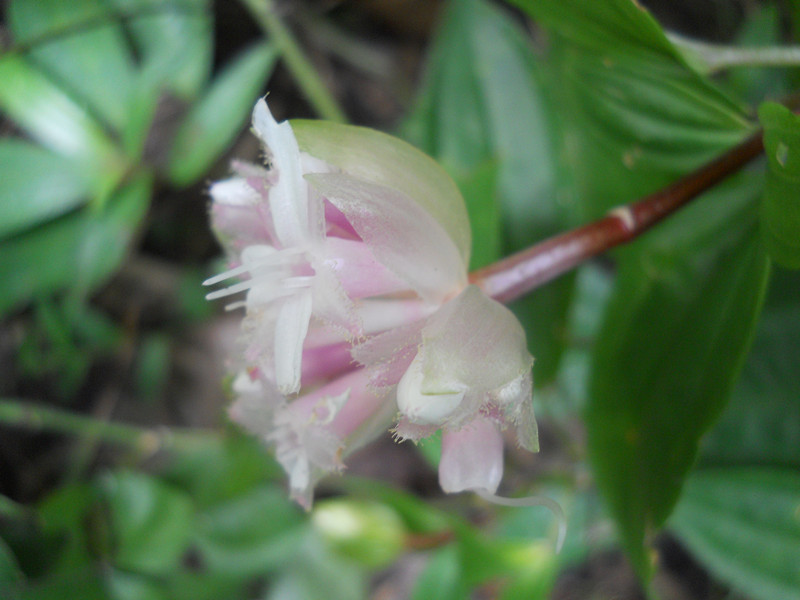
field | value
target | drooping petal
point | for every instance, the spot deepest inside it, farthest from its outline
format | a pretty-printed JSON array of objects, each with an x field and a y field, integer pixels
[
  {"x": 472, "y": 341},
  {"x": 388, "y": 161},
  {"x": 401, "y": 234},
  {"x": 291, "y": 328},
  {"x": 472, "y": 458}
]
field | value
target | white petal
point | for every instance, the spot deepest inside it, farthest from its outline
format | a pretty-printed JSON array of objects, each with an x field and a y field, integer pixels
[
  {"x": 288, "y": 199},
  {"x": 234, "y": 192},
  {"x": 472, "y": 458},
  {"x": 425, "y": 409},
  {"x": 401, "y": 234},
  {"x": 291, "y": 328}
]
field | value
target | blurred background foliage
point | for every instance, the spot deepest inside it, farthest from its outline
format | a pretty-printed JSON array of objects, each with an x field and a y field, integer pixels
[{"x": 666, "y": 373}]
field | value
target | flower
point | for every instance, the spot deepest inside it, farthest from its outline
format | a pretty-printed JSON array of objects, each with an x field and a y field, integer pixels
[{"x": 350, "y": 251}]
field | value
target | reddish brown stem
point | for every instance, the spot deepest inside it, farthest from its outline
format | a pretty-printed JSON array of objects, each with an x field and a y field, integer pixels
[{"x": 514, "y": 276}]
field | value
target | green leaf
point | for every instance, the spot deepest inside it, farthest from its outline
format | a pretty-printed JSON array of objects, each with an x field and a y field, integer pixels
[
  {"x": 10, "y": 573},
  {"x": 64, "y": 585},
  {"x": 316, "y": 573},
  {"x": 638, "y": 115},
  {"x": 63, "y": 514},
  {"x": 479, "y": 188},
  {"x": 81, "y": 46},
  {"x": 174, "y": 41},
  {"x": 250, "y": 535},
  {"x": 780, "y": 211},
  {"x": 675, "y": 334},
  {"x": 50, "y": 115},
  {"x": 442, "y": 578},
  {"x": 151, "y": 522},
  {"x": 608, "y": 25},
  {"x": 130, "y": 586},
  {"x": 223, "y": 469},
  {"x": 744, "y": 523},
  {"x": 739, "y": 512},
  {"x": 77, "y": 251},
  {"x": 36, "y": 185},
  {"x": 484, "y": 103},
  {"x": 215, "y": 119},
  {"x": 761, "y": 426}
]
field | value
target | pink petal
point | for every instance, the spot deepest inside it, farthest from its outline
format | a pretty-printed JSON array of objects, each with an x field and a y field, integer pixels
[
  {"x": 388, "y": 355},
  {"x": 402, "y": 235},
  {"x": 358, "y": 271},
  {"x": 323, "y": 362},
  {"x": 472, "y": 458}
]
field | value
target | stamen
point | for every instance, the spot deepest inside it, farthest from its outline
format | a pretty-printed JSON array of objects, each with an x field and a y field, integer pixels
[
  {"x": 230, "y": 290},
  {"x": 227, "y": 275},
  {"x": 258, "y": 269},
  {"x": 554, "y": 506}
]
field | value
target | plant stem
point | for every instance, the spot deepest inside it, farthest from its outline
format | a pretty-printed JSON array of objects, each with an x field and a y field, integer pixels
[
  {"x": 514, "y": 276},
  {"x": 305, "y": 74},
  {"x": 718, "y": 56},
  {"x": 36, "y": 417}
]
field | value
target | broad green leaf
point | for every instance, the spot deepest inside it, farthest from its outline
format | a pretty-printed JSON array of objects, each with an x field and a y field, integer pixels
[
  {"x": 36, "y": 185},
  {"x": 442, "y": 578},
  {"x": 761, "y": 426},
  {"x": 739, "y": 512},
  {"x": 131, "y": 586},
  {"x": 63, "y": 515},
  {"x": 608, "y": 25},
  {"x": 10, "y": 573},
  {"x": 174, "y": 41},
  {"x": 81, "y": 45},
  {"x": 780, "y": 211},
  {"x": 221, "y": 470},
  {"x": 250, "y": 535},
  {"x": 316, "y": 573},
  {"x": 479, "y": 188},
  {"x": 76, "y": 252},
  {"x": 744, "y": 523},
  {"x": 63, "y": 585},
  {"x": 48, "y": 114},
  {"x": 639, "y": 115},
  {"x": 213, "y": 585},
  {"x": 484, "y": 102},
  {"x": 215, "y": 119},
  {"x": 676, "y": 330},
  {"x": 151, "y": 522}
]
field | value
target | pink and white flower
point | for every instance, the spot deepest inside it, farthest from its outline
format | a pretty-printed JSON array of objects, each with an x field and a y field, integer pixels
[{"x": 349, "y": 254}]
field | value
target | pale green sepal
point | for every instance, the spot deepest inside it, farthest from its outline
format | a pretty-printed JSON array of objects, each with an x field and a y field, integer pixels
[{"x": 380, "y": 158}]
